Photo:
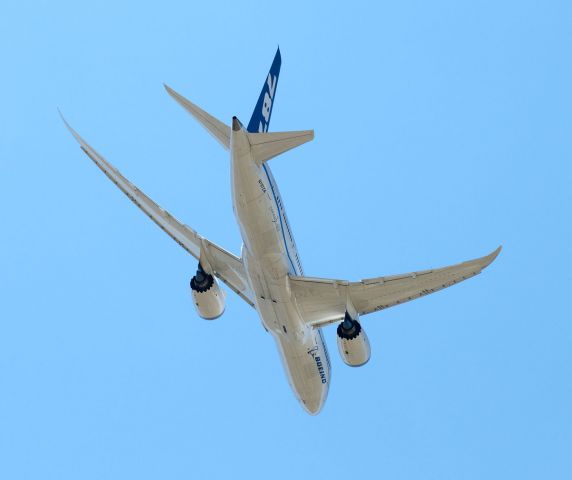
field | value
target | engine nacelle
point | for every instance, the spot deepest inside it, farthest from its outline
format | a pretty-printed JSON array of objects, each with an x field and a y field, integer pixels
[
  {"x": 353, "y": 343},
  {"x": 207, "y": 295}
]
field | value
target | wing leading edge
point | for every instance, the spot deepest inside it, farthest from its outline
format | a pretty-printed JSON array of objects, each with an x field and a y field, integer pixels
[
  {"x": 324, "y": 301},
  {"x": 226, "y": 266}
]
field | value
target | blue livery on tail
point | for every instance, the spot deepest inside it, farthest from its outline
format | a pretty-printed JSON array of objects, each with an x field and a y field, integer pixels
[{"x": 261, "y": 116}]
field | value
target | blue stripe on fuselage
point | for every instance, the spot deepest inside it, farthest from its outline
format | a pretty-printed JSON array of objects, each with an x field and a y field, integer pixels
[
  {"x": 280, "y": 217},
  {"x": 259, "y": 122},
  {"x": 325, "y": 348}
]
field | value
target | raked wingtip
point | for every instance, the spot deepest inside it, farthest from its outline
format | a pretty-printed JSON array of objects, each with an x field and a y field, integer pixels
[
  {"x": 68, "y": 126},
  {"x": 490, "y": 258},
  {"x": 64, "y": 119},
  {"x": 169, "y": 90}
]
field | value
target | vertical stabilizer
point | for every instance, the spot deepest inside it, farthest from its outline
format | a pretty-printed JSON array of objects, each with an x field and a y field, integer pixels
[{"x": 261, "y": 116}]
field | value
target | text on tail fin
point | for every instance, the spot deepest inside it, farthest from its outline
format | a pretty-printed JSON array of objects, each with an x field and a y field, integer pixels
[{"x": 260, "y": 119}]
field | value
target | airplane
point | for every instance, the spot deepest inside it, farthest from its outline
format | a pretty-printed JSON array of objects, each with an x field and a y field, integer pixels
[{"x": 268, "y": 275}]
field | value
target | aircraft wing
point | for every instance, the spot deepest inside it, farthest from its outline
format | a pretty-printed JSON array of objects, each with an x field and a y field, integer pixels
[
  {"x": 324, "y": 301},
  {"x": 225, "y": 266}
]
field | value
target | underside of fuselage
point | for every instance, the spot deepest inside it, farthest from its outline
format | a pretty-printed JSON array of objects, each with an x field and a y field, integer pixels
[{"x": 268, "y": 254}]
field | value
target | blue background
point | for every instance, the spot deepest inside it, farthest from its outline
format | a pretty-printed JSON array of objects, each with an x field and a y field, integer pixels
[{"x": 442, "y": 130}]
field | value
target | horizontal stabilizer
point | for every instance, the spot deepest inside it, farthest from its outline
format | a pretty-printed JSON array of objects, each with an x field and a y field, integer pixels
[
  {"x": 265, "y": 146},
  {"x": 215, "y": 127}
]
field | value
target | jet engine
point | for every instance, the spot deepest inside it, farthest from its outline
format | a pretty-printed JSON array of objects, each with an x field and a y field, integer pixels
[
  {"x": 207, "y": 295},
  {"x": 353, "y": 343}
]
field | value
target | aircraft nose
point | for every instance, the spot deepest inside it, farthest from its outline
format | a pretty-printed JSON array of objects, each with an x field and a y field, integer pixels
[{"x": 312, "y": 405}]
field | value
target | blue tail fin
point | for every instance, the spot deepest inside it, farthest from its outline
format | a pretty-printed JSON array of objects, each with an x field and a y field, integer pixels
[{"x": 261, "y": 116}]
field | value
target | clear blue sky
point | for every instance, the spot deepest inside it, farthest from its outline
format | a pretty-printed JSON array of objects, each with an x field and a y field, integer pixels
[{"x": 442, "y": 130}]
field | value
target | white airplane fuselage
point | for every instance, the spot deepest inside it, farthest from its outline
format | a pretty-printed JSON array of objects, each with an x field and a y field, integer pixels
[
  {"x": 269, "y": 276},
  {"x": 269, "y": 254}
]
